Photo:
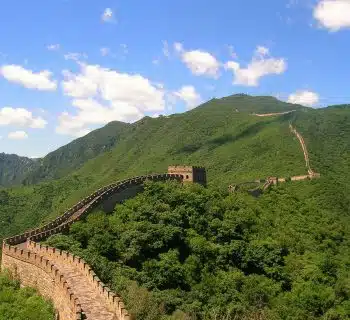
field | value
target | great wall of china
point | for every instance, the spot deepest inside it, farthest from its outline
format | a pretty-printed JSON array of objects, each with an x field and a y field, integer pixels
[
  {"x": 67, "y": 280},
  {"x": 269, "y": 181}
]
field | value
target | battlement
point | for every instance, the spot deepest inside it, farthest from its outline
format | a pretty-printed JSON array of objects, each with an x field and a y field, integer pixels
[
  {"x": 112, "y": 300},
  {"x": 38, "y": 266},
  {"x": 55, "y": 283}
]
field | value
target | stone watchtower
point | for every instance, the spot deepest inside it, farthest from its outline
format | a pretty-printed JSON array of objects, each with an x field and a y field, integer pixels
[{"x": 190, "y": 174}]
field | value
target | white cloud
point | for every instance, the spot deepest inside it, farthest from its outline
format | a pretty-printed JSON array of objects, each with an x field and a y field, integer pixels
[
  {"x": 198, "y": 61},
  {"x": 261, "y": 65},
  {"x": 306, "y": 98},
  {"x": 189, "y": 95},
  {"x": 79, "y": 86},
  {"x": 20, "y": 117},
  {"x": 333, "y": 14},
  {"x": 18, "y": 135},
  {"x": 232, "y": 52},
  {"x": 165, "y": 49},
  {"x": 105, "y": 51},
  {"x": 27, "y": 78},
  {"x": 178, "y": 47},
  {"x": 53, "y": 47},
  {"x": 102, "y": 95},
  {"x": 108, "y": 15},
  {"x": 75, "y": 56},
  {"x": 263, "y": 51}
]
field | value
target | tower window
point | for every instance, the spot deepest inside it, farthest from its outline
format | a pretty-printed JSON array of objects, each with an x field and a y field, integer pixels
[{"x": 187, "y": 176}]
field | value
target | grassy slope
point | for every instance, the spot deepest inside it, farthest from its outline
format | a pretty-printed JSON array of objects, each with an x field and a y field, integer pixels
[
  {"x": 233, "y": 146},
  {"x": 327, "y": 135}
]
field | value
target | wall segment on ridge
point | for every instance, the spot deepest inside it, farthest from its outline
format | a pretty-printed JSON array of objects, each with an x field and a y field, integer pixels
[{"x": 71, "y": 284}]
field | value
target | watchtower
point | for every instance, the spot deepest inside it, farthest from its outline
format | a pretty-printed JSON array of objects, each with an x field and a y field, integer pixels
[{"x": 190, "y": 174}]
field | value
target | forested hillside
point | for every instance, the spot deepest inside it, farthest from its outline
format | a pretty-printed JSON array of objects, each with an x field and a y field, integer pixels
[
  {"x": 177, "y": 252},
  {"x": 61, "y": 162},
  {"x": 66, "y": 159},
  {"x": 16, "y": 170},
  {"x": 13, "y": 168},
  {"x": 327, "y": 135},
  {"x": 195, "y": 252},
  {"x": 232, "y": 144}
]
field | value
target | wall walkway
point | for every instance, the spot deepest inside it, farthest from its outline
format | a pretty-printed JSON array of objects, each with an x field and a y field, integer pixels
[{"x": 72, "y": 285}]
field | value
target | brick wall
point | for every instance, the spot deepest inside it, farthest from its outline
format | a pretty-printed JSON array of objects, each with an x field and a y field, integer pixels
[
  {"x": 37, "y": 271},
  {"x": 34, "y": 265}
]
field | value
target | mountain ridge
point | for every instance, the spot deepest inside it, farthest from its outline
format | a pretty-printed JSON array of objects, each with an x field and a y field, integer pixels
[{"x": 75, "y": 154}]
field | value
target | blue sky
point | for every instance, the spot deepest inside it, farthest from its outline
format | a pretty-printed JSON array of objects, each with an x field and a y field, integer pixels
[{"x": 70, "y": 66}]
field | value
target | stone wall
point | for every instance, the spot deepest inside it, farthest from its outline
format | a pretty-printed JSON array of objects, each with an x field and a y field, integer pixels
[
  {"x": 112, "y": 300},
  {"x": 34, "y": 265},
  {"x": 108, "y": 204},
  {"x": 37, "y": 271}
]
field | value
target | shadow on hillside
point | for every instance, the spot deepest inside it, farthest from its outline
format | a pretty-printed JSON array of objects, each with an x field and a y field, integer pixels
[
  {"x": 221, "y": 140},
  {"x": 227, "y": 138}
]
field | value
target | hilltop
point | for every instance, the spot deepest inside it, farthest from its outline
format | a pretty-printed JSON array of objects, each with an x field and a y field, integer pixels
[
  {"x": 66, "y": 159},
  {"x": 221, "y": 135}
]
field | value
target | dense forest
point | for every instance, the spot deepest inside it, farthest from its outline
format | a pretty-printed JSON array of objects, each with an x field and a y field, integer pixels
[
  {"x": 22, "y": 303},
  {"x": 233, "y": 146},
  {"x": 186, "y": 252},
  {"x": 193, "y": 253}
]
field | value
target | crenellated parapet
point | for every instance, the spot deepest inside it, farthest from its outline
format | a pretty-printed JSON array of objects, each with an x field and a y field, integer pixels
[
  {"x": 114, "y": 301},
  {"x": 49, "y": 269},
  {"x": 44, "y": 275}
]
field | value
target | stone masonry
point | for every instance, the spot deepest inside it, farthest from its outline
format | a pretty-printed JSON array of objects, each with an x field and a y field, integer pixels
[{"x": 75, "y": 290}]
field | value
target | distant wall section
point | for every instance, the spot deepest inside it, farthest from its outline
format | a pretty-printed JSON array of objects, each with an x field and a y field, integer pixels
[
  {"x": 190, "y": 174},
  {"x": 108, "y": 204}
]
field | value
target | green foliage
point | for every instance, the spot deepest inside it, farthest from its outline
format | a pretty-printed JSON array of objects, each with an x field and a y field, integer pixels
[
  {"x": 66, "y": 159},
  {"x": 186, "y": 252},
  {"x": 22, "y": 303},
  {"x": 183, "y": 253},
  {"x": 15, "y": 170},
  {"x": 233, "y": 146}
]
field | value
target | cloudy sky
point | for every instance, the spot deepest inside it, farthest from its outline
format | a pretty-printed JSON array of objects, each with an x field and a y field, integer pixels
[{"x": 70, "y": 66}]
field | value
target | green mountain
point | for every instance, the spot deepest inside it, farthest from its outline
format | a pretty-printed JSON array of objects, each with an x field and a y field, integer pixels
[
  {"x": 16, "y": 170},
  {"x": 253, "y": 104},
  {"x": 180, "y": 252},
  {"x": 13, "y": 168},
  {"x": 66, "y": 159},
  {"x": 222, "y": 135}
]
